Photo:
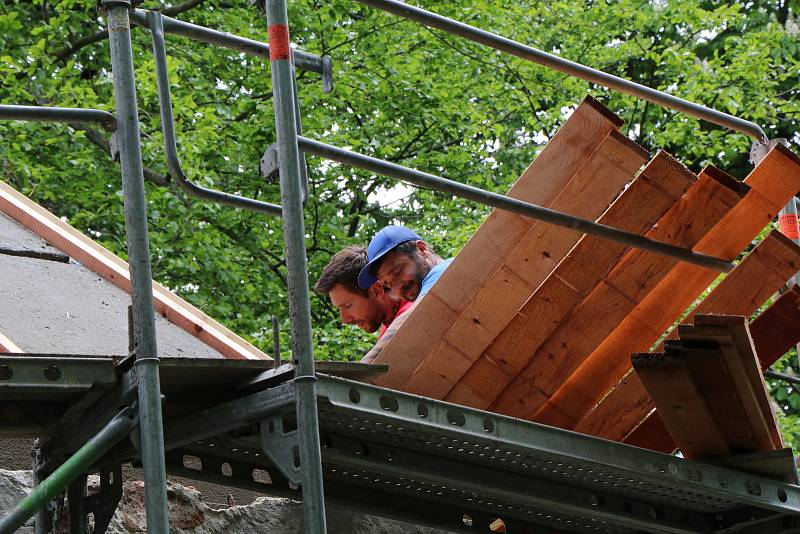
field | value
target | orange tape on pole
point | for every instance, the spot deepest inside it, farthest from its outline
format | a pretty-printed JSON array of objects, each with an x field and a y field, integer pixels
[
  {"x": 279, "y": 42},
  {"x": 788, "y": 226}
]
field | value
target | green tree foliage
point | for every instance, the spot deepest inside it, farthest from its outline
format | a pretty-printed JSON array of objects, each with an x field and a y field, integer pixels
[{"x": 404, "y": 93}]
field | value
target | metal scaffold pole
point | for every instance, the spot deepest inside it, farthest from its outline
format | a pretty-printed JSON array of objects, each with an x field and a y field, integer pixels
[
  {"x": 45, "y": 490},
  {"x": 294, "y": 238},
  {"x": 787, "y": 221},
  {"x": 498, "y": 42},
  {"x": 144, "y": 333}
]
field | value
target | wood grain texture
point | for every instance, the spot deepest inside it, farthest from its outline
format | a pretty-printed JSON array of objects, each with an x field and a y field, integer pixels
[
  {"x": 420, "y": 332},
  {"x": 777, "y": 329},
  {"x": 724, "y": 402},
  {"x": 637, "y": 209},
  {"x": 774, "y": 332},
  {"x": 113, "y": 269},
  {"x": 588, "y": 194},
  {"x": 581, "y": 331},
  {"x": 744, "y": 369},
  {"x": 773, "y": 182},
  {"x": 671, "y": 385},
  {"x": 757, "y": 277},
  {"x": 500, "y": 233},
  {"x": 720, "y": 358}
]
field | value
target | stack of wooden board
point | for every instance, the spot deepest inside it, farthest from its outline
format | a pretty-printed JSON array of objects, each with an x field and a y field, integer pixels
[
  {"x": 774, "y": 332},
  {"x": 539, "y": 322},
  {"x": 709, "y": 391}
]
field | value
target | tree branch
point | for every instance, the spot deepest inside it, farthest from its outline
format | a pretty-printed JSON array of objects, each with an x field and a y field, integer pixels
[
  {"x": 86, "y": 40},
  {"x": 99, "y": 139}
]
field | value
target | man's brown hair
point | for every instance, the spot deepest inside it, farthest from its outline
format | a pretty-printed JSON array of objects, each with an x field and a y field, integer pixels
[{"x": 343, "y": 269}]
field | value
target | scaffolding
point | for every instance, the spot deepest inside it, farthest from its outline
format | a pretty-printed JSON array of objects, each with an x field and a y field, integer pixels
[{"x": 285, "y": 430}]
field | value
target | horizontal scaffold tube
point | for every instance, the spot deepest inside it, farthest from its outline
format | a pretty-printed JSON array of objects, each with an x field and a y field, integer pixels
[
  {"x": 55, "y": 114},
  {"x": 302, "y": 60},
  {"x": 503, "y": 202},
  {"x": 569, "y": 67},
  {"x": 168, "y": 129}
]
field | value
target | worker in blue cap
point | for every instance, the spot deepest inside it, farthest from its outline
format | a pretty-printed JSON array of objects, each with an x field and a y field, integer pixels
[{"x": 406, "y": 267}]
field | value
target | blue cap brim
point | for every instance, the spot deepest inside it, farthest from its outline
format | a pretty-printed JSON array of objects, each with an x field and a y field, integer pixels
[
  {"x": 365, "y": 276},
  {"x": 384, "y": 241}
]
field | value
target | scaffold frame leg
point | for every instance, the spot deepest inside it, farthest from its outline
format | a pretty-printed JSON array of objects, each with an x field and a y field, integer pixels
[{"x": 282, "y": 70}]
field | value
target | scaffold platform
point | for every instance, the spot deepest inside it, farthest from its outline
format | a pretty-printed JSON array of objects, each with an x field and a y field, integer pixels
[{"x": 394, "y": 454}]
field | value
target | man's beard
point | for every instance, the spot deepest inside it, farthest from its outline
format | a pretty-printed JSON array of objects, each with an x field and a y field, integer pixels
[{"x": 422, "y": 268}]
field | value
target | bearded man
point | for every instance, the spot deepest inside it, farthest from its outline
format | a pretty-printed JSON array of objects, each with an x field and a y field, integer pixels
[{"x": 405, "y": 266}]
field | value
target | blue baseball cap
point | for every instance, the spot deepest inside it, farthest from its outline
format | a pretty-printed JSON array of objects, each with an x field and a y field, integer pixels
[{"x": 384, "y": 241}]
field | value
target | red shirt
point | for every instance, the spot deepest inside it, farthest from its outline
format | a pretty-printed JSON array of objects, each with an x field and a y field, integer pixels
[{"x": 404, "y": 305}]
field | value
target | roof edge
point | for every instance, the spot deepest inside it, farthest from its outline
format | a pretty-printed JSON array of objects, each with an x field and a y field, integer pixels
[
  {"x": 113, "y": 269},
  {"x": 6, "y": 345}
]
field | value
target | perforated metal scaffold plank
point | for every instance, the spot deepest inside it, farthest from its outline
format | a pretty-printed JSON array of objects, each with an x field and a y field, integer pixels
[
  {"x": 428, "y": 461},
  {"x": 408, "y": 457}
]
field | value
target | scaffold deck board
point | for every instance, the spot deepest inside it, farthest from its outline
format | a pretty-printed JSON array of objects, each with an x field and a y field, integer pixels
[{"x": 400, "y": 455}]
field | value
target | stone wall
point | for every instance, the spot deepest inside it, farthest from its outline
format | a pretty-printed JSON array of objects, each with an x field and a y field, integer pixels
[{"x": 190, "y": 514}]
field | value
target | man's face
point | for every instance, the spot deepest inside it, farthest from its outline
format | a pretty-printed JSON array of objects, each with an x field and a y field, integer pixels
[
  {"x": 402, "y": 275},
  {"x": 354, "y": 308}
]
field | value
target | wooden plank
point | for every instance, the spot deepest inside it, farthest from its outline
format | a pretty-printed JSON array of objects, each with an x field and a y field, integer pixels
[
  {"x": 777, "y": 329},
  {"x": 754, "y": 280},
  {"x": 587, "y": 195},
  {"x": 652, "y": 434},
  {"x": 101, "y": 261},
  {"x": 640, "y": 206},
  {"x": 743, "y": 366},
  {"x": 758, "y": 277},
  {"x": 670, "y": 383},
  {"x": 747, "y": 287},
  {"x": 577, "y": 139},
  {"x": 772, "y": 183},
  {"x": 736, "y": 371},
  {"x": 774, "y": 332},
  {"x": 424, "y": 325},
  {"x": 6, "y": 345},
  {"x": 551, "y": 171},
  {"x": 589, "y": 323},
  {"x": 725, "y": 405},
  {"x": 731, "y": 406}
]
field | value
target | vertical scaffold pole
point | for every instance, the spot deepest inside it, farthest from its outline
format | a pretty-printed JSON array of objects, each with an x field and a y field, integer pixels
[
  {"x": 294, "y": 239},
  {"x": 787, "y": 222},
  {"x": 144, "y": 332}
]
